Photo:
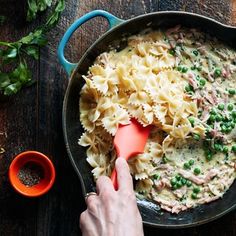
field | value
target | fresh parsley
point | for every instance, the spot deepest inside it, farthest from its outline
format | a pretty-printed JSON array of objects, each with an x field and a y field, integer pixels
[
  {"x": 35, "y": 6},
  {"x": 14, "y": 54}
]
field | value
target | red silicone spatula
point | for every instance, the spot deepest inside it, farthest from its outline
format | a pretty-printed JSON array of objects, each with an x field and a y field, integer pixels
[{"x": 129, "y": 140}]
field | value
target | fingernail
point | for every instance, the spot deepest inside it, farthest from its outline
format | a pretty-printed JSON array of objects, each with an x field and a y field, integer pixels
[{"x": 120, "y": 159}]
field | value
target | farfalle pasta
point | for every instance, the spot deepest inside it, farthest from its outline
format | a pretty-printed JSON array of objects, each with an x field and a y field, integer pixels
[{"x": 182, "y": 83}]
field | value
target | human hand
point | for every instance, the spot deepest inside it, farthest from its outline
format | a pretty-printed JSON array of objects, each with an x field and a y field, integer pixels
[{"x": 113, "y": 212}]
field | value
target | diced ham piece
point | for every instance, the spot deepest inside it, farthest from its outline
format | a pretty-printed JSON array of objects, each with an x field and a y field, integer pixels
[
  {"x": 212, "y": 173},
  {"x": 199, "y": 180},
  {"x": 192, "y": 177}
]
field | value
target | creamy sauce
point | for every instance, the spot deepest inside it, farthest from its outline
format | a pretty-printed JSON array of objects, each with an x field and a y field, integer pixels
[{"x": 208, "y": 169}]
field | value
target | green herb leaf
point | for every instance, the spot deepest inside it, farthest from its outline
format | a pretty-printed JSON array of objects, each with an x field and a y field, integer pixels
[
  {"x": 11, "y": 53},
  {"x": 12, "y": 88},
  {"x": 4, "y": 80},
  {"x": 53, "y": 19},
  {"x": 14, "y": 53},
  {"x": 32, "y": 51},
  {"x": 35, "y": 38},
  {"x": 35, "y": 6},
  {"x": 32, "y": 10},
  {"x": 21, "y": 73}
]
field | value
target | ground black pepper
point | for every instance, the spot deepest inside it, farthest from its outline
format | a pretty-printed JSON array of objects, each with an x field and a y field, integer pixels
[{"x": 30, "y": 174}]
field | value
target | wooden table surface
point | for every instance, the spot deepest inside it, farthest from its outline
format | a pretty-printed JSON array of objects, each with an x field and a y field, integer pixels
[{"x": 31, "y": 120}]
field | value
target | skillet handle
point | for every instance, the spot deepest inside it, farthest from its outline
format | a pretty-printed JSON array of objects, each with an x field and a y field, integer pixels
[{"x": 112, "y": 20}]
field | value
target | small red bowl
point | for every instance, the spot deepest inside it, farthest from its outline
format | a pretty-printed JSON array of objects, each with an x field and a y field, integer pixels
[{"x": 39, "y": 159}]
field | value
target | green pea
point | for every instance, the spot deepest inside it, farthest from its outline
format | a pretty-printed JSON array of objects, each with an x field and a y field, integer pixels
[
  {"x": 230, "y": 107},
  {"x": 221, "y": 106},
  {"x": 179, "y": 68},
  {"x": 213, "y": 111},
  {"x": 199, "y": 68},
  {"x": 174, "y": 187},
  {"x": 225, "y": 149},
  {"x": 195, "y": 52},
  {"x": 209, "y": 156},
  {"x": 188, "y": 88},
  {"x": 183, "y": 181},
  {"x": 196, "y": 189},
  {"x": 194, "y": 196},
  {"x": 218, "y": 147},
  {"x": 233, "y": 148},
  {"x": 179, "y": 184},
  {"x": 228, "y": 124},
  {"x": 156, "y": 176},
  {"x": 211, "y": 126},
  {"x": 184, "y": 69},
  {"x": 172, "y": 52},
  {"x": 188, "y": 183},
  {"x": 178, "y": 177},
  {"x": 173, "y": 181},
  {"x": 186, "y": 165},
  {"x": 228, "y": 130},
  {"x": 233, "y": 114},
  {"x": 197, "y": 171},
  {"x": 191, "y": 162},
  {"x": 217, "y": 72},
  {"x": 212, "y": 118},
  {"x": 223, "y": 129},
  {"x": 202, "y": 82},
  {"x": 193, "y": 68},
  {"x": 196, "y": 137},
  {"x": 232, "y": 91},
  {"x": 191, "y": 120},
  {"x": 218, "y": 117}
]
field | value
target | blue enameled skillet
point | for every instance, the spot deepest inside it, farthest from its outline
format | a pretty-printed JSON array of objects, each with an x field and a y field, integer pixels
[{"x": 119, "y": 29}]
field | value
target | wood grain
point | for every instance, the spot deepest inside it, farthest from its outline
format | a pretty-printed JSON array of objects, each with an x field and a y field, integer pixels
[
  {"x": 219, "y": 10},
  {"x": 32, "y": 119},
  {"x": 233, "y": 12}
]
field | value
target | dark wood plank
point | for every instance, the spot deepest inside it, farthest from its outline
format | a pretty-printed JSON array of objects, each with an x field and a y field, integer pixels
[
  {"x": 65, "y": 202},
  {"x": 219, "y": 10},
  {"x": 17, "y": 121},
  {"x": 233, "y": 12}
]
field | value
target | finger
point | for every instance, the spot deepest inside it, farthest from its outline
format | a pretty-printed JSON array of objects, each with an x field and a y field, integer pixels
[
  {"x": 123, "y": 174},
  {"x": 91, "y": 198},
  {"x": 87, "y": 224},
  {"x": 104, "y": 184},
  {"x": 82, "y": 219}
]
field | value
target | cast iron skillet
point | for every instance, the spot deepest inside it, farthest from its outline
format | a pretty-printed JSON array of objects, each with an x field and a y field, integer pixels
[{"x": 151, "y": 213}]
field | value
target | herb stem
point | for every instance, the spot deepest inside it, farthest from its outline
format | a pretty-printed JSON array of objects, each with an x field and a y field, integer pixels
[{"x": 6, "y": 44}]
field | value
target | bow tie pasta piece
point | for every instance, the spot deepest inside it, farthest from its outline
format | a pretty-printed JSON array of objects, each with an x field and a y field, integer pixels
[
  {"x": 144, "y": 186},
  {"x": 100, "y": 163},
  {"x": 113, "y": 117}
]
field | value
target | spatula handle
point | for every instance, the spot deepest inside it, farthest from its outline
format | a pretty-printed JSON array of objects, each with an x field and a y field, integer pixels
[{"x": 114, "y": 179}]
